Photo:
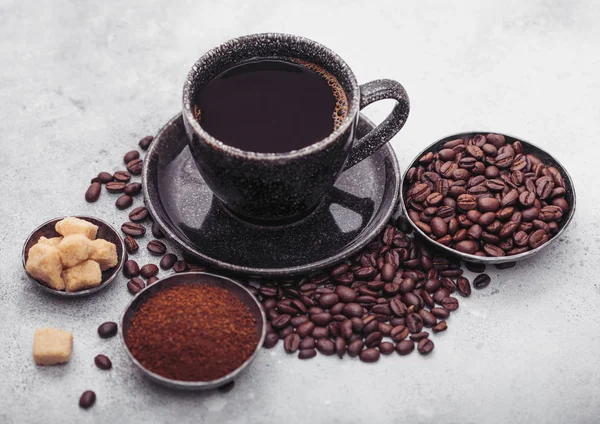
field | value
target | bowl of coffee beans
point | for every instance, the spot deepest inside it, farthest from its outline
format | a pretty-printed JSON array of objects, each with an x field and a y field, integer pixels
[
  {"x": 487, "y": 197},
  {"x": 193, "y": 331}
]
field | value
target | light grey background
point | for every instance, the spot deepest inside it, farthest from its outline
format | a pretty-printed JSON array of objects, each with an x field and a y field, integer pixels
[{"x": 82, "y": 81}]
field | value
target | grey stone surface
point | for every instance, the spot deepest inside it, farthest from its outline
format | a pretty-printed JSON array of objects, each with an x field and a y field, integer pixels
[{"x": 81, "y": 82}]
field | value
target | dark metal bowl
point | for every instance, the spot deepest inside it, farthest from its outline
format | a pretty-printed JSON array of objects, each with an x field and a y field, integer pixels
[
  {"x": 527, "y": 148},
  {"x": 105, "y": 231},
  {"x": 189, "y": 278}
]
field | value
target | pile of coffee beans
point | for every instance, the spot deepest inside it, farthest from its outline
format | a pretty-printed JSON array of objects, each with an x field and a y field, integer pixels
[
  {"x": 386, "y": 298},
  {"x": 485, "y": 196}
]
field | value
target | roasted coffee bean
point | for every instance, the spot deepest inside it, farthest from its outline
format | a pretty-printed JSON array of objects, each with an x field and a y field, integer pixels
[
  {"x": 297, "y": 321},
  {"x": 325, "y": 346},
  {"x": 467, "y": 246},
  {"x": 133, "y": 229},
  {"x": 386, "y": 348},
  {"x": 93, "y": 192},
  {"x": 440, "y": 313},
  {"x": 440, "y": 326},
  {"x": 87, "y": 399},
  {"x": 156, "y": 231},
  {"x": 108, "y": 329},
  {"x": 168, "y": 261},
  {"x": 130, "y": 245},
  {"x": 425, "y": 346},
  {"x": 373, "y": 339},
  {"x": 135, "y": 285},
  {"x": 414, "y": 323},
  {"x": 180, "y": 266},
  {"x": 133, "y": 189},
  {"x": 105, "y": 177},
  {"x": 399, "y": 332},
  {"x": 271, "y": 340},
  {"x": 148, "y": 270},
  {"x": 320, "y": 332},
  {"x": 321, "y": 319},
  {"x": 537, "y": 238},
  {"x": 440, "y": 294},
  {"x": 131, "y": 269},
  {"x": 115, "y": 187},
  {"x": 340, "y": 346},
  {"x": 145, "y": 142},
  {"x": 103, "y": 362},
  {"x": 493, "y": 250},
  {"x": 307, "y": 353},
  {"x": 346, "y": 294},
  {"x": 152, "y": 280},
  {"x": 355, "y": 347},
  {"x": 352, "y": 310},
  {"x": 464, "y": 287},
  {"x": 369, "y": 355},
  {"x": 405, "y": 347},
  {"x": 328, "y": 300},
  {"x": 122, "y": 176},
  {"x": 281, "y": 321},
  {"x": 481, "y": 281},
  {"x": 291, "y": 343},
  {"x": 419, "y": 336},
  {"x": 450, "y": 303},
  {"x": 157, "y": 248},
  {"x": 124, "y": 201},
  {"x": 398, "y": 308},
  {"x": 307, "y": 343},
  {"x": 135, "y": 166},
  {"x": 129, "y": 156},
  {"x": 138, "y": 214},
  {"x": 305, "y": 329},
  {"x": 429, "y": 320}
]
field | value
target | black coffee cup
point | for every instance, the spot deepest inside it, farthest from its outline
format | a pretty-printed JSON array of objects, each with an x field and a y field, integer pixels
[{"x": 283, "y": 187}]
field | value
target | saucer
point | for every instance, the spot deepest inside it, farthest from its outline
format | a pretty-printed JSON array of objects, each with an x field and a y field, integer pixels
[{"x": 351, "y": 215}]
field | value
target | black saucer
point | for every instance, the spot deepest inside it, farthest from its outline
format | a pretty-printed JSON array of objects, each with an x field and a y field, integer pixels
[{"x": 179, "y": 201}]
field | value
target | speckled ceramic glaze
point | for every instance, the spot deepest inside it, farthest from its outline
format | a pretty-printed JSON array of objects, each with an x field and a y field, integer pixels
[
  {"x": 283, "y": 187},
  {"x": 350, "y": 215}
]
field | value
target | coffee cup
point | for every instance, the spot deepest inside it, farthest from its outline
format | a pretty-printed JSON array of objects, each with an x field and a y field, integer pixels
[{"x": 274, "y": 188}]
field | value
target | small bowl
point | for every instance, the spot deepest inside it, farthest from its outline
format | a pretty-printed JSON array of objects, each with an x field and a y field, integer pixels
[
  {"x": 190, "y": 278},
  {"x": 527, "y": 148},
  {"x": 105, "y": 231}
]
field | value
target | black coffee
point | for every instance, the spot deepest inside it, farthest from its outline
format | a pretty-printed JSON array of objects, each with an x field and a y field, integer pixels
[{"x": 271, "y": 106}]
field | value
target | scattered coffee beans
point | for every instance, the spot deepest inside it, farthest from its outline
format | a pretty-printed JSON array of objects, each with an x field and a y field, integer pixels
[
  {"x": 107, "y": 329},
  {"x": 135, "y": 166},
  {"x": 133, "y": 229},
  {"x": 168, "y": 261},
  {"x": 103, "y": 362},
  {"x": 481, "y": 281},
  {"x": 122, "y": 176},
  {"x": 157, "y": 248},
  {"x": 131, "y": 269},
  {"x": 115, "y": 187},
  {"x": 87, "y": 399},
  {"x": 133, "y": 189},
  {"x": 135, "y": 285},
  {"x": 131, "y": 245},
  {"x": 124, "y": 201},
  {"x": 129, "y": 156},
  {"x": 149, "y": 270},
  {"x": 145, "y": 142},
  {"x": 156, "y": 231},
  {"x": 138, "y": 214},
  {"x": 485, "y": 196},
  {"x": 93, "y": 192}
]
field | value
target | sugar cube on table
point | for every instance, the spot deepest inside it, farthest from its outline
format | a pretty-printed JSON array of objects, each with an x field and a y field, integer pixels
[
  {"x": 44, "y": 263},
  {"x": 53, "y": 241},
  {"x": 52, "y": 346},
  {"x": 104, "y": 252},
  {"x": 74, "y": 249},
  {"x": 85, "y": 275},
  {"x": 71, "y": 225}
]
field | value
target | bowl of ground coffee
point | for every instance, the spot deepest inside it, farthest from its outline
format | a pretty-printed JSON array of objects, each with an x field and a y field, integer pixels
[
  {"x": 487, "y": 197},
  {"x": 193, "y": 331}
]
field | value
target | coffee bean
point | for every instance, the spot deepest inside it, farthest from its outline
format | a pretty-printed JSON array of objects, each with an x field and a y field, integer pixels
[
  {"x": 307, "y": 353},
  {"x": 346, "y": 294},
  {"x": 152, "y": 280},
  {"x": 440, "y": 313},
  {"x": 131, "y": 269},
  {"x": 149, "y": 270},
  {"x": 369, "y": 355},
  {"x": 103, "y": 362},
  {"x": 399, "y": 332},
  {"x": 325, "y": 346},
  {"x": 122, "y": 176},
  {"x": 298, "y": 321},
  {"x": 429, "y": 320},
  {"x": 450, "y": 303},
  {"x": 93, "y": 192},
  {"x": 135, "y": 285},
  {"x": 307, "y": 343},
  {"x": 493, "y": 250},
  {"x": 115, "y": 187},
  {"x": 180, "y": 266},
  {"x": 419, "y": 336},
  {"x": 398, "y": 308},
  {"x": 135, "y": 166},
  {"x": 271, "y": 340},
  {"x": 352, "y": 310},
  {"x": 386, "y": 348},
  {"x": 157, "y": 248},
  {"x": 123, "y": 202},
  {"x": 107, "y": 330},
  {"x": 168, "y": 261},
  {"x": 328, "y": 300},
  {"x": 87, "y": 399},
  {"x": 105, "y": 177},
  {"x": 373, "y": 339},
  {"x": 291, "y": 343},
  {"x": 425, "y": 346},
  {"x": 467, "y": 246},
  {"x": 321, "y": 319},
  {"x": 464, "y": 287},
  {"x": 129, "y": 156},
  {"x": 414, "y": 323},
  {"x": 281, "y": 321},
  {"x": 405, "y": 347},
  {"x": 133, "y": 229},
  {"x": 130, "y": 245},
  {"x": 138, "y": 214},
  {"x": 481, "y": 281},
  {"x": 156, "y": 231},
  {"x": 133, "y": 189},
  {"x": 145, "y": 142},
  {"x": 355, "y": 347},
  {"x": 440, "y": 326}
]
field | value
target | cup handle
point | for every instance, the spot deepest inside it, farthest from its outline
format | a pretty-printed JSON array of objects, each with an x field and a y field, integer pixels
[{"x": 382, "y": 133}]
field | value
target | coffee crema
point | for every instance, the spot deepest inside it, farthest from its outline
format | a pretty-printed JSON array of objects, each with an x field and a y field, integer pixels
[{"x": 272, "y": 105}]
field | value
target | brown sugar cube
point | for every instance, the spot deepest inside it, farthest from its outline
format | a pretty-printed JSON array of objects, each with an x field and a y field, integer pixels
[
  {"x": 71, "y": 225},
  {"x": 52, "y": 346},
  {"x": 82, "y": 276},
  {"x": 50, "y": 241},
  {"x": 44, "y": 264},
  {"x": 74, "y": 249},
  {"x": 104, "y": 252}
]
